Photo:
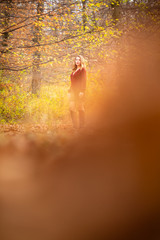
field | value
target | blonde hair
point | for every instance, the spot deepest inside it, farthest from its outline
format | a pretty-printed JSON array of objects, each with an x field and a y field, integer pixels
[{"x": 82, "y": 63}]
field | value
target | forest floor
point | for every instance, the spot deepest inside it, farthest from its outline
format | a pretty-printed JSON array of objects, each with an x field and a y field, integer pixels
[
  {"x": 36, "y": 129},
  {"x": 59, "y": 135}
]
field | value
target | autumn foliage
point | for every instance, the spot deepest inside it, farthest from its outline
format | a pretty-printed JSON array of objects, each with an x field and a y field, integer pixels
[{"x": 39, "y": 40}]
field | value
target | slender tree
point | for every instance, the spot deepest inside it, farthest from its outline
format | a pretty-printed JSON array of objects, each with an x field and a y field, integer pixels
[
  {"x": 5, "y": 21},
  {"x": 37, "y": 35}
]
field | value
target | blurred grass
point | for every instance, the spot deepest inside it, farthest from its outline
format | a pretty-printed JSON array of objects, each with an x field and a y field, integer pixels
[
  {"x": 52, "y": 105},
  {"x": 50, "y": 108}
]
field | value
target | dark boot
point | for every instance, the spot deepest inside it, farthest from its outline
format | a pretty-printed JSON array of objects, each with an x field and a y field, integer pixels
[
  {"x": 81, "y": 119},
  {"x": 74, "y": 119}
]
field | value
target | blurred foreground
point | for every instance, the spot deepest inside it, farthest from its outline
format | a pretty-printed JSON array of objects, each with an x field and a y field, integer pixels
[{"x": 101, "y": 184}]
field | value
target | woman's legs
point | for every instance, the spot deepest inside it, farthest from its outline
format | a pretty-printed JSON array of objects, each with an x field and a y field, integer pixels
[
  {"x": 81, "y": 111},
  {"x": 77, "y": 103},
  {"x": 73, "y": 111},
  {"x": 74, "y": 119},
  {"x": 81, "y": 119}
]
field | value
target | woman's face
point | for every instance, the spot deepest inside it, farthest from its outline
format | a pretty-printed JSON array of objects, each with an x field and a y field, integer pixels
[{"x": 78, "y": 61}]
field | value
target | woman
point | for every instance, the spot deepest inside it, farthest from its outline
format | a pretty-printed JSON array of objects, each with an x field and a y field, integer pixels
[{"x": 77, "y": 92}]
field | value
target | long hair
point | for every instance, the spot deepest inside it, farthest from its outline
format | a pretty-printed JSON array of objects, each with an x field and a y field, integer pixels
[{"x": 82, "y": 63}]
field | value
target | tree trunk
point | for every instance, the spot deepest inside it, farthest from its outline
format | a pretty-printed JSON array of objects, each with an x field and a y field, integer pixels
[
  {"x": 84, "y": 14},
  {"x": 36, "y": 72},
  {"x": 5, "y": 37},
  {"x": 116, "y": 10}
]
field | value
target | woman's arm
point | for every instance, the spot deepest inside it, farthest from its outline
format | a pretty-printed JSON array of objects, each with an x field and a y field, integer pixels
[{"x": 84, "y": 79}]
